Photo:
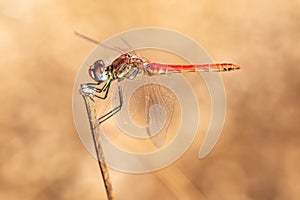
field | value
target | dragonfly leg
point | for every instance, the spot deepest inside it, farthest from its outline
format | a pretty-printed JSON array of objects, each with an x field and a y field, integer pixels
[
  {"x": 105, "y": 89},
  {"x": 115, "y": 110}
]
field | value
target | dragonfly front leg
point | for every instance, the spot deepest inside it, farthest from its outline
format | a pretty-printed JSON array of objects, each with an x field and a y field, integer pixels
[
  {"x": 105, "y": 89},
  {"x": 90, "y": 88},
  {"x": 115, "y": 110}
]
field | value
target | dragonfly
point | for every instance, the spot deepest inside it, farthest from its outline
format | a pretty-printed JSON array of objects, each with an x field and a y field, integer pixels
[{"x": 130, "y": 66}]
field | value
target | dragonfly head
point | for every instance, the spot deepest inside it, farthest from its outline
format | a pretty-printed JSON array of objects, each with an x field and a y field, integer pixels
[{"x": 97, "y": 71}]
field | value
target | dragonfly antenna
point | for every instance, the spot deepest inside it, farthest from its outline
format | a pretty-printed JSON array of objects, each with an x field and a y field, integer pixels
[
  {"x": 97, "y": 42},
  {"x": 86, "y": 38}
]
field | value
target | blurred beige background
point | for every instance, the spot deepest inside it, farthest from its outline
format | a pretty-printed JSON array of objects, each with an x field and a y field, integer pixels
[{"x": 258, "y": 154}]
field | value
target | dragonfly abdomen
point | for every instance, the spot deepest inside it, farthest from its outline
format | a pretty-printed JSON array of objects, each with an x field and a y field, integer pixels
[{"x": 157, "y": 68}]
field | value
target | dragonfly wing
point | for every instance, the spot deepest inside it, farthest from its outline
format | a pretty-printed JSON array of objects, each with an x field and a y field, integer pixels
[{"x": 159, "y": 107}]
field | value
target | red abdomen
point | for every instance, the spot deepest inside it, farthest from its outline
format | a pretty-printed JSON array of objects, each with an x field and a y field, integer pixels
[{"x": 157, "y": 68}]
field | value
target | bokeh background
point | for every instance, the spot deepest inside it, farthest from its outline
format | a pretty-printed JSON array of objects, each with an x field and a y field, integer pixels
[{"x": 258, "y": 154}]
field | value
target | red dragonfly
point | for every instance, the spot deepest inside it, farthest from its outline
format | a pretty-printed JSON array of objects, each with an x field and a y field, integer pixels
[{"x": 130, "y": 66}]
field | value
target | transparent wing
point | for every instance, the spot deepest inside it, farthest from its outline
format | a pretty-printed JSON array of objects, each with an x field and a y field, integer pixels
[
  {"x": 160, "y": 103},
  {"x": 155, "y": 101}
]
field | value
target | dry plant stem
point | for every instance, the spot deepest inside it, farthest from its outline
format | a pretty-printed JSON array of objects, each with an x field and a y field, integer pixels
[{"x": 91, "y": 110}]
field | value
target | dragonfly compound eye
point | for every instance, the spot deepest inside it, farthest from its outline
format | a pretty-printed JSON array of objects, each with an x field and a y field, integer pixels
[{"x": 97, "y": 71}]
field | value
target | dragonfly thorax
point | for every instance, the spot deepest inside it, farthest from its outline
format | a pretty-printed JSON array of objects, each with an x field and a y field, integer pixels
[{"x": 127, "y": 66}]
